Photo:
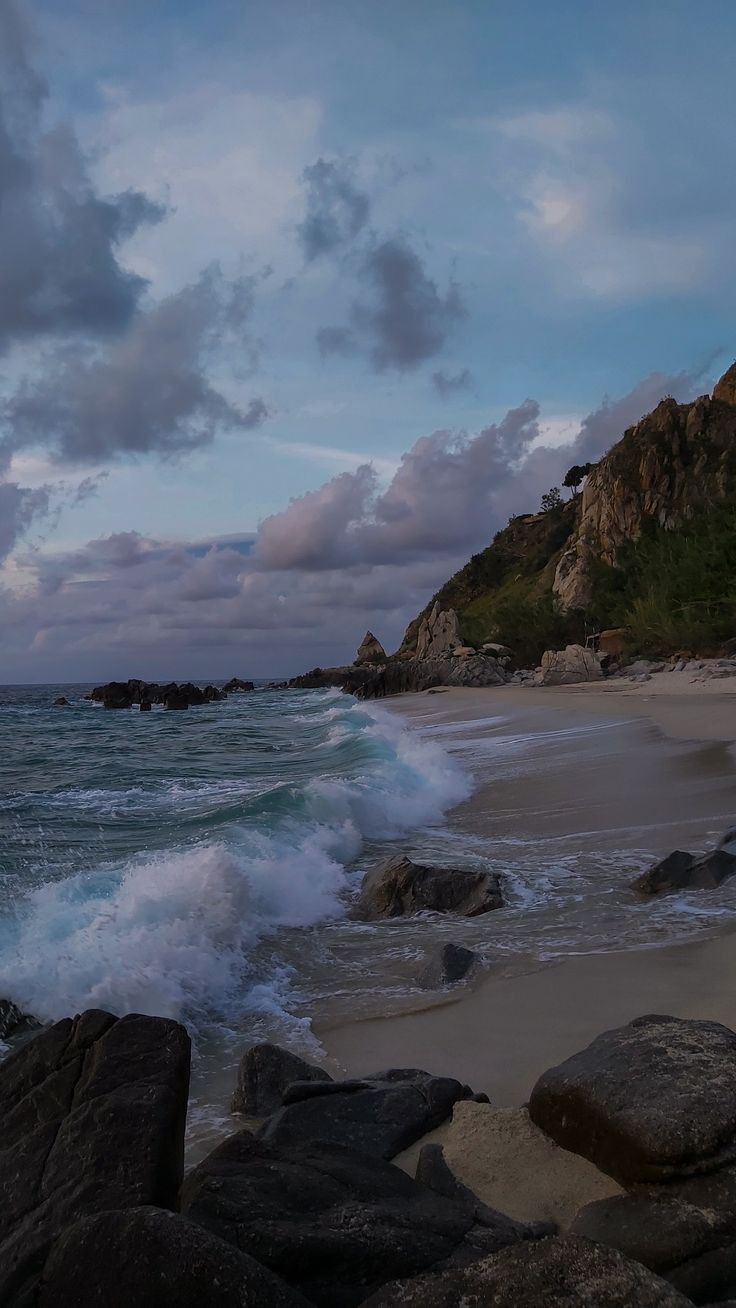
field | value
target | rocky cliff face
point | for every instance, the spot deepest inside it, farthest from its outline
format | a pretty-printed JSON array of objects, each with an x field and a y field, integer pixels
[{"x": 679, "y": 457}]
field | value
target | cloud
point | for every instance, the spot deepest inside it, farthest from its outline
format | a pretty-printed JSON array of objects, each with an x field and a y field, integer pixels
[
  {"x": 59, "y": 240},
  {"x": 606, "y": 424},
  {"x": 146, "y": 392},
  {"x": 447, "y": 384},
  {"x": 335, "y": 340},
  {"x": 336, "y": 209},
  {"x": 19, "y": 508}
]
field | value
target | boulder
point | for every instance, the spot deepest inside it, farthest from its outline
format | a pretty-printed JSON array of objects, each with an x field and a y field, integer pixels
[
  {"x": 463, "y": 651},
  {"x": 148, "y": 1258},
  {"x": 379, "y": 1115},
  {"x": 656, "y": 1229},
  {"x": 651, "y": 1101},
  {"x": 613, "y": 642},
  {"x": 13, "y": 1020},
  {"x": 439, "y": 632},
  {"x": 498, "y": 651},
  {"x": 235, "y": 686},
  {"x": 564, "y": 1272},
  {"x": 93, "y": 1112},
  {"x": 683, "y": 871},
  {"x": 570, "y": 666},
  {"x": 176, "y": 699},
  {"x": 370, "y": 649},
  {"x": 145, "y": 706},
  {"x": 336, "y": 1224},
  {"x": 61, "y": 701},
  {"x": 403, "y": 887},
  {"x": 264, "y": 1072},
  {"x": 434, "y": 1172},
  {"x": 450, "y": 964}
]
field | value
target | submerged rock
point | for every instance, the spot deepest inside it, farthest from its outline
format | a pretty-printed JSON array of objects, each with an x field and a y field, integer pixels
[
  {"x": 264, "y": 1073},
  {"x": 379, "y": 1115},
  {"x": 403, "y": 887},
  {"x": 451, "y": 964},
  {"x": 93, "y": 1112},
  {"x": 682, "y": 871},
  {"x": 651, "y": 1101}
]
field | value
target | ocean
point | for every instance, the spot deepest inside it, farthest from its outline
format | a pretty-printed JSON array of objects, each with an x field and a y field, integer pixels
[{"x": 200, "y": 865}]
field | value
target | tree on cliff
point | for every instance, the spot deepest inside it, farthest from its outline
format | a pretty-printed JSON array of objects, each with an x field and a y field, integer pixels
[{"x": 575, "y": 475}]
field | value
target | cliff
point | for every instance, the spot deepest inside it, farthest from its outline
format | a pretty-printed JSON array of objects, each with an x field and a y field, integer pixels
[{"x": 655, "y": 525}]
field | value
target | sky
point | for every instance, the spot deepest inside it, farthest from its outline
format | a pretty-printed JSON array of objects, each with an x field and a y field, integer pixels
[{"x": 301, "y": 300}]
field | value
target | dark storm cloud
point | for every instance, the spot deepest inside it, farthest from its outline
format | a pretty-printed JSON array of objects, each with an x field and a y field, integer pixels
[
  {"x": 19, "y": 508},
  {"x": 407, "y": 318},
  {"x": 58, "y": 239},
  {"x": 447, "y": 384},
  {"x": 336, "y": 208},
  {"x": 148, "y": 391}
]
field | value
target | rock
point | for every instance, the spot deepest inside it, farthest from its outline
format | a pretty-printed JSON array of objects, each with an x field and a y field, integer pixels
[
  {"x": 498, "y": 651},
  {"x": 93, "y": 1113},
  {"x": 13, "y": 1020},
  {"x": 613, "y": 642},
  {"x": 148, "y": 1258},
  {"x": 654, "y": 1229},
  {"x": 451, "y": 964},
  {"x": 651, "y": 1101},
  {"x": 145, "y": 706},
  {"x": 61, "y": 702},
  {"x": 177, "y": 700},
  {"x": 463, "y": 651},
  {"x": 439, "y": 633},
  {"x": 403, "y": 887},
  {"x": 370, "y": 649},
  {"x": 116, "y": 695},
  {"x": 264, "y": 1073},
  {"x": 563, "y": 1272},
  {"x": 434, "y": 1172},
  {"x": 725, "y": 389},
  {"x": 235, "y": 686},
  {"x": 680, "y": 871},
  {"x": 378, "y": 1115},
  {"x": 570, "y": 666},
  {"x": 438, "y": 690},
  {"x": 336, "y": 1224}
]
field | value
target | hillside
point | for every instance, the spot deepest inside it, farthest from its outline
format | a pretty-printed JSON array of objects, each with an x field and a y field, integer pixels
[{"x": 649, "y": 544}]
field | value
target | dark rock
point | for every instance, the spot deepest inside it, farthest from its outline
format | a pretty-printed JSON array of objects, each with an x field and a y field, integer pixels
[
  {"x": 61, "y": 702},
  {"x": 335, "y": 1223},
  {"x": 145, "y": 706},
  {"x": 116, "y": 695},
  {"x": 13, "y": 1020},
  {"x": 403, "y": 676},
  {"x": 93, "y": 1113},
  {"x": 711, "y": 1275},
  {"x": 147, "y": 1258},
  {"x": 451, "y": 964},
  {"x": 176, "y": 700},
  {"x": 651, "y": 1101},
  {"x": 323, "y": 678},
  {"x": 235, "y": 686},
  {"x": 264, "y": 1072},
  {"x": 402, "y": 887},
  {"x": 565, "y": 1272},
  {"x": 654, "y": 1229},
  {"x": 211, "y": 695},
  {"x": 379, "y": 1115},
  {"x": 680, "y": 871},
  {"x": 434, "y": 1172}
]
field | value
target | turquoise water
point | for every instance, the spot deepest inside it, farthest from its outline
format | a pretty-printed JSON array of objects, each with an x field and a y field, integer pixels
[{"x": 146, "y": 858}]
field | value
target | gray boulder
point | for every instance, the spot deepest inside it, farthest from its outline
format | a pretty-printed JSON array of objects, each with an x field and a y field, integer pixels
[
  {"x": 656, "y": 1229},
  {"x": 93, "y": 1113},
  {"x": 264, "y": 1073},
  {"x": 682, "y": 871},
  {"x": 565, "y": 1272},
  {"x": 570, "y": 666},
  {"x": 403, "y": 887},
  {"x": 651, "y": 1101},
  {"x": 336, "y": 1224},
  {"x": 439, "y": 632},
  {"x": 379, "y": 1115},
  {"x": 148, "y": 1258},
  {"x": 449, "y": 965}
]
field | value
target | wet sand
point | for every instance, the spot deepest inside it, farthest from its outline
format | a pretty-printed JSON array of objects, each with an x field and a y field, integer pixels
[{"x": 666, "y": 769}]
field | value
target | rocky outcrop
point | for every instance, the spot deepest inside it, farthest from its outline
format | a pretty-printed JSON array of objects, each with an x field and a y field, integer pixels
[
  {"x": 439, "y": 633},
  {"x": 570, "y": 666},
  {"x": 566, "y": 1272},
  {"x": 124, "y": 694},
  {"x": 651, "y": 1101},
  {"x": 405, "y": 676},
  {"x": 333, "y": 1222},
  {"x": 13, "y": 1021},
  {"x": 683, "y": 871},
  {"x": 93, "y": 1113},
  {"x": 403, "y": 887},
  {"x": 235, "y": 686},
  {"x": 370, "y": 649},
  {"x": 678, "y": 457},
  {"x": 379, "y": 1115},
  {"x": 264, "y": 1073}
]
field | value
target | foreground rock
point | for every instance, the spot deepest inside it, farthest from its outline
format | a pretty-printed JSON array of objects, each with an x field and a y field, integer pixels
[
  {"x": 147, "y": 1258},
  {"x": 379, "y": 1115},
  {"x": 333, "y": 1222},
  {"x": 566, "y": 1272},
  {"x": 264, "y": 1073},
  {"x": 683, "y": 871},
  {"x": 451, "y": 964},
  {"x": 651, "y": 1101},
  {"x": 403, "y": 887},
  {"x": 93, "y": 1113},
  {"x": 570, "y": 666}
]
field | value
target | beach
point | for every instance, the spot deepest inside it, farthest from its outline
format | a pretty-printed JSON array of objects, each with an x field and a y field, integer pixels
[{"x": 628, "y": 769}]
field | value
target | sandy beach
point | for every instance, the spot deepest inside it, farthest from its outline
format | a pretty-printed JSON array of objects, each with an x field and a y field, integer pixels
[{"x": 667, "y": 769}]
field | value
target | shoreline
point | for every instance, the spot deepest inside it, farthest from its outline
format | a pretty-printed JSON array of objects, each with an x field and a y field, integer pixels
[{"x": 500, "y": 1031}]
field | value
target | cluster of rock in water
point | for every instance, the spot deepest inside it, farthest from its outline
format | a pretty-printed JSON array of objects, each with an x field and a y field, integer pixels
[
  {"x": 306, "y": 1207},
  {"x": 173, "y": 695}
]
